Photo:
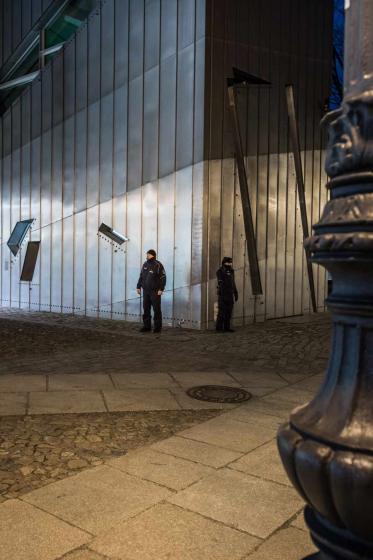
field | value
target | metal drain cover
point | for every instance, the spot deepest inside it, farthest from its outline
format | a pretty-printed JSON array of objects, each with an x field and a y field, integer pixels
[{"x": 219, "y": 394}]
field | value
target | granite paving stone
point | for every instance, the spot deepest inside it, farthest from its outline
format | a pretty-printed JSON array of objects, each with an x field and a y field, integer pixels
[
  {"x": 311, "y": 384},
  {"x": 79, "y": 382},
  {"x": 189, "y": 379},
  {"x": 271, "y": 407},
  {"x": 83, "y": 554},
  {"x": 172, "y": 533},
  {"x": 27, "y": 533},
  {"x": 300, "y": 523},
  {"x": 230, "y": 434},
  {"x": 98, "y": 498},
  {"x": 286, "y": 544},
  {"x": 144, "y": 381},
  {"x": 263, "y": 462},
  {"x": 22, "y": 383},
  {"x": 13, "y": 404},
  {"x": 293, "y": 394},
  {"x": 140, "y": 399},
  {"x": 250, "y": 415},
  {"x": 56, "y": 402},
  {"x": 197, "y": 451},
  {"x": 173, "y": 472},
  {"x": 259, "y": 383},
  {"x": 244, "y": 502}
]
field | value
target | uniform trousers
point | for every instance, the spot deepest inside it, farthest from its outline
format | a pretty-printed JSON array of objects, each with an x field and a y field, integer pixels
[
  {"x": 225, "y": 308},
  {"x": 152, "y": 299}
]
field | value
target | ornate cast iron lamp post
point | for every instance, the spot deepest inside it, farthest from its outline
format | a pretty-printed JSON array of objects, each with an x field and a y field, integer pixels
[{"x": 327, "y": 447}]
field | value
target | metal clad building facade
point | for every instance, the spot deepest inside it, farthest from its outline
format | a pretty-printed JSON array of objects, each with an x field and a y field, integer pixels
[
  {"x": 128, "y": 125},
  {"x": 285, "y": 42}
]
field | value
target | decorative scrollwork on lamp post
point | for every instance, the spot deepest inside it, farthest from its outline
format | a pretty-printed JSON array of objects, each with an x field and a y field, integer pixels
[{"x": 327, "y": 446}]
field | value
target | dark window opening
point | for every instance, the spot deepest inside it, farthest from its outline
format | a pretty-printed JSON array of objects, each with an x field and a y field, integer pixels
[{"x": 29, "y": 263}]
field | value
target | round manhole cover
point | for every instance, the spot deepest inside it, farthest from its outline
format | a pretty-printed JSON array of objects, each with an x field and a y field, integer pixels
[{"x": 219, "y": 394}]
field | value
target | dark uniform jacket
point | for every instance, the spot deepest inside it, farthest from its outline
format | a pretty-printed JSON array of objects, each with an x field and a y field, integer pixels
[
  {"x": 152, "y": 276},
  {"x": 226, "y": 284}
]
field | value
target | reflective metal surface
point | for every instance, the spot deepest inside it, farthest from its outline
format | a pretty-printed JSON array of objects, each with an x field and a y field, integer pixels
[{"x": 129, "y": 126}]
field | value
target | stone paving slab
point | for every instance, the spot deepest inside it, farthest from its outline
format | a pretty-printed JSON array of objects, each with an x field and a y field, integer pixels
[
  {"x": 259, "y": 383},
  {"x": 173, "y": 472},
  {"x": 193, "y": 379},
  {"x": 299, "y": 522},
  {"x": 97, "y": 499},
  {"x": 13, "y": 404},
  {"x": 144, "y": 381},
  {"x": 140, "y": 399},
  {"x": 22, "y": 383},
  {"x": 172, "y": 533},
  {"x": 230, "y": 434},
  {"x": 286, "y": 544},
  {"x": 83, "y": 554},
  {"x": 79, "y": 382},
  {"x": 310, "y": 384},
  {"x": 247, "y": 503},
  {"x": 296, "y": 395},
  {"x": 250, "y": 415},
  {"x": 27, "y": 533},
  {"x": 263, "y": 462},
  {"x": 58, "y": 402},
  {"x": 270, "y": 406},
  {"x": 197, "y": 451}
]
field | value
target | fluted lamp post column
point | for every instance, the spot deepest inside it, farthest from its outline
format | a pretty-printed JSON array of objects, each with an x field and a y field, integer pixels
[{"x": 327, "y": 446}]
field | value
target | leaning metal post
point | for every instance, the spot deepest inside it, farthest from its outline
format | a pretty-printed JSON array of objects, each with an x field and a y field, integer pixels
[
  {"x": 294, "y": 136},
  {"x": 327, "y": 447},
  {"x": 256, "y": 284}
]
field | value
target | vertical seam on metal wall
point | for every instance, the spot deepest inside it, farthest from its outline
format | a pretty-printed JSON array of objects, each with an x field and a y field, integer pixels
[
  {"x": 112, "y": 165},
  {"x": 175, "y": 177},
  {"x": 20, "y": 187},
  {"x": 99, "y": 164},
  {"x": 86, "y": 175},
  {"x": 193, "y": 168},
  {"x": 126, "y": 184}
]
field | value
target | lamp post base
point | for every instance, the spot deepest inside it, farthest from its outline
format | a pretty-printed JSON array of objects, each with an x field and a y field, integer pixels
[{"x": 335, "y": 543}]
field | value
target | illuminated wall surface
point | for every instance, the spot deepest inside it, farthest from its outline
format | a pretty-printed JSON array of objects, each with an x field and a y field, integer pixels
[{"x": 128, "y": 125}]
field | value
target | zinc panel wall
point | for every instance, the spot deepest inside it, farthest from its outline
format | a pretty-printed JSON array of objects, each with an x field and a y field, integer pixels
[
  {"x": 284, "y": 42},
  {"x": 111, "y": 131},
  {"x": 17, "y": 18}
]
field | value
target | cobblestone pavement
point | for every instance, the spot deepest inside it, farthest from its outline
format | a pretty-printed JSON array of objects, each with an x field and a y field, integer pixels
[
  {"x": 279, "y": 361},
  {"x": 67, "y": 344},
  {"x": 36, "y": 450}
]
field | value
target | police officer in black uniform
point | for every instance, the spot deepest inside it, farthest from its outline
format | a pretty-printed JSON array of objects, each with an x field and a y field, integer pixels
[
  {"x": 227, "y": 295},
  {"x": 152, "y": 281}
]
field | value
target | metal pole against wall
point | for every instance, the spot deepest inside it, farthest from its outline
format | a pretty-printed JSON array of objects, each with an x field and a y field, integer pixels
[
  {"x": 294, "y": 137},
  {"x": 256, "y": 284}
]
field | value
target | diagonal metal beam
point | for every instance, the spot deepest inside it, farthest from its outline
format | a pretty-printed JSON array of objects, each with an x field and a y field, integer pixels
[
  {"x": 294, "y": 137},
  {"x": 256, "y": 283}
]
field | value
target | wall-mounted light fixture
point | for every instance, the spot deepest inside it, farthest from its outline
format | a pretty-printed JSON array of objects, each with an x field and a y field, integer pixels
[
  {"x": 114, "y": 237},
  {"x": 18, "y": 235}
]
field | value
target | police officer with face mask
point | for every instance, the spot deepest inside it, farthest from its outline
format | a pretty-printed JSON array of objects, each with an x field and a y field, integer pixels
[
  {"x": 152, "y": 282},
  {"x": 227, "y": 295}
]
